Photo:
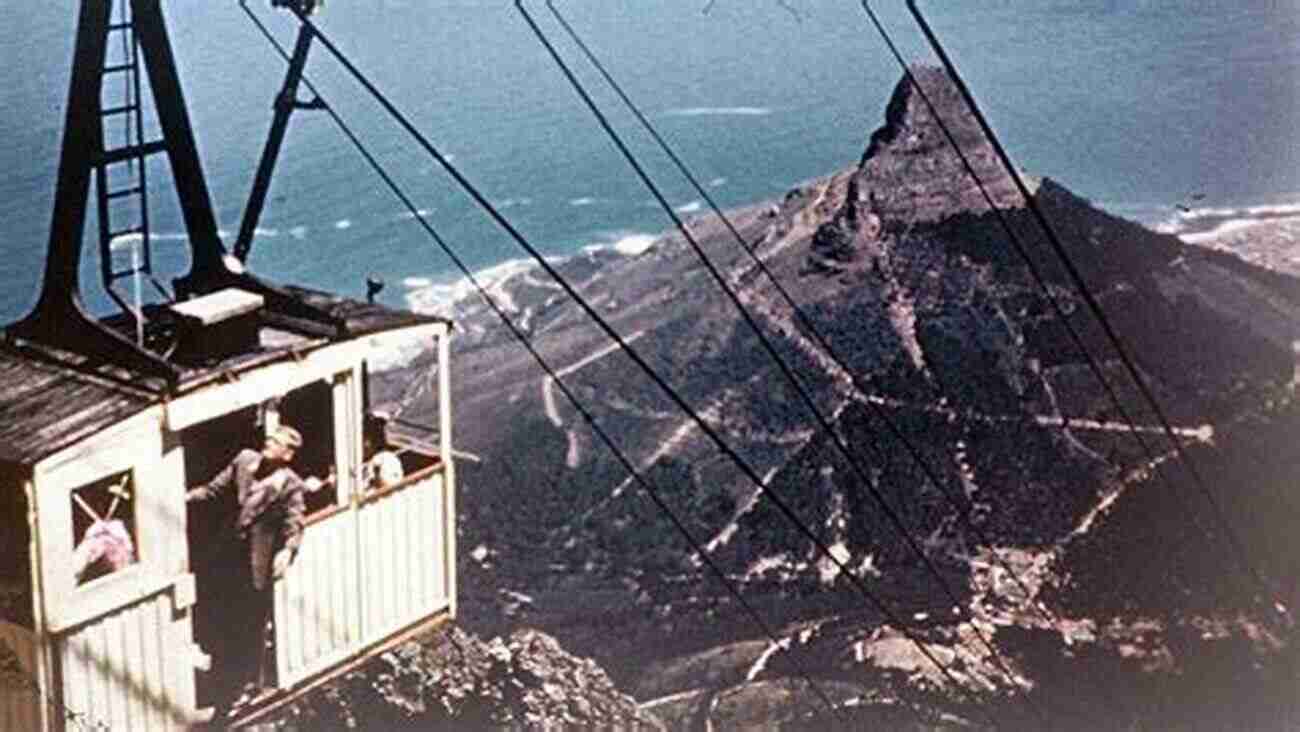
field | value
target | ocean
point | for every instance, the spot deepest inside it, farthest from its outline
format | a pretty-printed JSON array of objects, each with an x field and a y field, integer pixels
[{"x": 1182, "y": 115}]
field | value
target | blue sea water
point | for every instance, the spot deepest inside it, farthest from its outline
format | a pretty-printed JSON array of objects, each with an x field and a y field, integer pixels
[{"x": 1141, "y": 106}]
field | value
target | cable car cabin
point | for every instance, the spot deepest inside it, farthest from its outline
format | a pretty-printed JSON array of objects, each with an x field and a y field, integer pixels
[
  {"x": 113, "y": 605},
  {"x": 124, "y": 600}
]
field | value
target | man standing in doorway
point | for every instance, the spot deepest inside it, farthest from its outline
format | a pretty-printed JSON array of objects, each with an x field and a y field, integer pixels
[{"x": 264, "y": 539}]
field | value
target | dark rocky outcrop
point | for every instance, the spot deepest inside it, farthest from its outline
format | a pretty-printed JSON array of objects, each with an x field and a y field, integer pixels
[{"x": 454, "y": 679}]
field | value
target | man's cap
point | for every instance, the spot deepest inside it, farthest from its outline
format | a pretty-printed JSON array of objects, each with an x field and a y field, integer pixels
[{"x": 287, "y": 436}]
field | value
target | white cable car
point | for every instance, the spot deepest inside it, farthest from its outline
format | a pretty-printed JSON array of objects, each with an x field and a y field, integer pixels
[{"x": 112, "y": 608}]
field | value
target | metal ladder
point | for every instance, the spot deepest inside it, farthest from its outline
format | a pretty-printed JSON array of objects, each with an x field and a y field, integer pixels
[{"x": 120, "y": 171}]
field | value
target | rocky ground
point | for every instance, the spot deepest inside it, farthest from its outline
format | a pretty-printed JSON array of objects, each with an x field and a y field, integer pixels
[
  {"x": 452, "y": 679},
  {"x": 1061, "y": 567}
]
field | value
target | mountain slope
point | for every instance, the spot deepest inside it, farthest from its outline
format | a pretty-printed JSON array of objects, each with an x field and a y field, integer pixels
[{"x": 945, "y": 348}]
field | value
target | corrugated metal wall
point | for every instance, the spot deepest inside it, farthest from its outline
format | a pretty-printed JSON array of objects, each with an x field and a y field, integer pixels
[
  {"x": 402, "y": 558},
  {"x": 20, "y": 700},
  {"x": 317, "y": 605},
  {"x": 361, "y": 575},
  {"x": 123, "y": 669}
]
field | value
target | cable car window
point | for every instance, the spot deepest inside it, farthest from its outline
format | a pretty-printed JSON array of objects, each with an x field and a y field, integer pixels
[
  {"x": 381, "y": 468},
  {"x": 310, "y": 409},
  {"x": 104, "y": 527}
]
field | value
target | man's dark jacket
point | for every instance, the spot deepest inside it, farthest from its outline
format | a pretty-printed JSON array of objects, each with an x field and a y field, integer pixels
[{"x": 271, "y": 509}]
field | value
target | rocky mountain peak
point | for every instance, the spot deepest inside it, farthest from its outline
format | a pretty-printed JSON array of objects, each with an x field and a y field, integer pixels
[
  {"x": 910, "y": 170},
  {"x": 983, "y": 406},
  {"x": 910, "y": 174}
]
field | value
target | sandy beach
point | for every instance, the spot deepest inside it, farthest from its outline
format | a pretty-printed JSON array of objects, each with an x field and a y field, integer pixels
[{"x": 1271, "y": 243}]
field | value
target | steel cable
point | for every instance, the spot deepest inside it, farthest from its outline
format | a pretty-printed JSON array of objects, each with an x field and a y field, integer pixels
[
  {"x": 1234, "y": 541},
  {"x": 806, "y": 323},
  {"x": 631, "y": 352},
  {"x": 523, "y": 339},
  {"x": 825, "y": 425}
]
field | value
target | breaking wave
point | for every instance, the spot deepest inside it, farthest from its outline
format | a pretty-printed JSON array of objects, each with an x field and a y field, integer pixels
[
  {"x": 627, "y": 243},
  {"x": 128, "y": 239},
  {"x": 447, "y": 295},
  {"x": 396, "y": 349},
  {"x": 718, "y": 112},
  {"x": 1199, "y": 225},
  {"x": 512, "y": 202},
  {"x": 442, "y": 297},
  {"x": 170, "y": 236}
]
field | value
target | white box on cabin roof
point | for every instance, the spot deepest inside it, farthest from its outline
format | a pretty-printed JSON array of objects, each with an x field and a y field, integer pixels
[{"x": 217, "y": 325}]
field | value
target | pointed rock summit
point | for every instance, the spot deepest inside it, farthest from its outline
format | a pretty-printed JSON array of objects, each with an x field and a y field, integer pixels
[
  {"x": 910, "y": 170},
  {"x": 913, "y": 173}
]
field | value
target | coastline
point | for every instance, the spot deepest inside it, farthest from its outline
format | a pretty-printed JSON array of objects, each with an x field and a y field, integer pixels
[
  {"x": 1270, "y": 243},
  {"x": 1267, "y": 235},
  {"x": 901, "y": 266}
]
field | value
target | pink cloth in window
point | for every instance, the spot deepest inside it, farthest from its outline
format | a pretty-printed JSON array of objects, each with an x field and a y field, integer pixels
[{"x": 106, "y": 543}]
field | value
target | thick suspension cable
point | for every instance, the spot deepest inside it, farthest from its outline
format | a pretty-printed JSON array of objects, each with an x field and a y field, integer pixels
[
  {"x": 1234, "y": 541},
  {"x": 962, "y": 511},
  {"x": 631, "y": 352},
  {"x": 550, "y": 371},
  {"x": 1019, "y": 246},
  {"x": 1033, "y": 269},
  {"x": 894, "y": 518},
  {"x": 959, "y": 503}
]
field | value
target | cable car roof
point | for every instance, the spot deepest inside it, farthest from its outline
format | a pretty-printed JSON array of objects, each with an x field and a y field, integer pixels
[{"x": 51, "y": 398}]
